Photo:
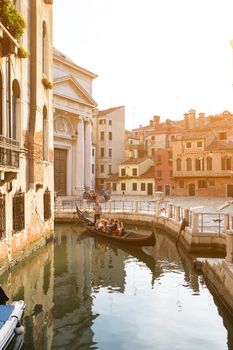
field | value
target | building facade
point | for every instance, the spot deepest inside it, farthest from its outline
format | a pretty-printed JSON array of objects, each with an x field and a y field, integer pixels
[
  {"x": 108, "y": 138},
  {"x": 26, "y": 128},
  {"x": 135, "y": 177},
  {"x": 203, "y": 156},
  {"x": 73, "y": 107}
]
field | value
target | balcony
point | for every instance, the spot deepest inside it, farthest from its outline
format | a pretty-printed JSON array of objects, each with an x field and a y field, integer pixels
[{"x": 9, "y": 154}]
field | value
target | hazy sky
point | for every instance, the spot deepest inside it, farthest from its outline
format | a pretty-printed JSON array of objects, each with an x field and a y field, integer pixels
[{"x": 156, "y": 57}]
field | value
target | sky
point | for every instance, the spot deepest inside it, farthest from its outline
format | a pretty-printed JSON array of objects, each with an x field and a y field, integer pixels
[{"x": 155, "y": 57}]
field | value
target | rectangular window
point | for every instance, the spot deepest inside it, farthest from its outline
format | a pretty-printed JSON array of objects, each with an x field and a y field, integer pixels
[
  {"x": 199, "y": 143},
  {"x": 123, "y": 187},
  {"x": 102, "y": 135},
  {"x": 134, "y": 186},
  {"x": 188, "y": 144},
  {"x": 159, "y": 158},
  {"x": 135, "y": 171},
  {"x": 109, "y": 122},
  {"x": 222, "y": 135},
  {"x": 170, "y": 154},
  {"x": 93, "y": 168},
  {"x": 114, "y": 186},
  {"x": 2, "y": 215},
  {"x": 93, "y": 152},
  {"x": 18, "y": 211},
  {"x": 47, "y": 204},
  {"x": 152, "y": 138},
  {"x": 101, "y": 181},
  {"x": 102, "y": 168},
  {"x": 181, "y": 183},
  {"x": 122, "y": 172},
  {"x": 170, "y": 173},
  {"x": 101, "y": 152},
  {"x": 202, "y": 184},
  {"x": 110, "y": 135},
  {"x": 110, "y": 169},
  {"x": 159, "y": 173},
  {"x": 110, "y": 153},
  {"x": 102, "y": 121},
  {"x": 211, "y": 182},
  {"x": 143, "y": 186}
]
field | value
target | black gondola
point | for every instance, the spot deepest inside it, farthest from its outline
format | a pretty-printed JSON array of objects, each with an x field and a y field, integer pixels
[{"x": 128, "y": 237}]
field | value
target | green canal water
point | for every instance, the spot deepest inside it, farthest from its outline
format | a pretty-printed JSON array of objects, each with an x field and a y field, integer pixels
[{"x": 82, "y": 293}]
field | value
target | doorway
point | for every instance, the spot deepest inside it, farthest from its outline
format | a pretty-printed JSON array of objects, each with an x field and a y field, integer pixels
[
  {"x": 60, "y": 171},
  {"x": 150, "y": 189},
  {"x": 229, "y": 190},
  {"x": 191, "y": 189}
]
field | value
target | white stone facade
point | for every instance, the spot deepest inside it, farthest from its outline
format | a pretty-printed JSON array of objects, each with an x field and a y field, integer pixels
[{"x": 73, "y": 106}]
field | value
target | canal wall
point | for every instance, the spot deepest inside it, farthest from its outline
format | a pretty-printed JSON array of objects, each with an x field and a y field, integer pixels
[{"x": 13, "y": 253}]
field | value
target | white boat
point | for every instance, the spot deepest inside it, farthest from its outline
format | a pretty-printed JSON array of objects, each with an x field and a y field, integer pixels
[{"x": 10, "y": 322}]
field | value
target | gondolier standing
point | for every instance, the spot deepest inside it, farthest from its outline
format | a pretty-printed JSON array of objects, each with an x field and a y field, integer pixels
[{"x": 98, "y": 211}]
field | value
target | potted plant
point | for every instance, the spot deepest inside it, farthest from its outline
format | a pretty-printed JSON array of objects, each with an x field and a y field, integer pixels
[
  {"x": 46, "y": 82},
  {"x": 22, "y": 52}
]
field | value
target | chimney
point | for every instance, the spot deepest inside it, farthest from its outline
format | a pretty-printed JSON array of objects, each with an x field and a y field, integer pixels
[
  {"x": 156, "y": 119},
  {"x": 201, "y": 120},
  {"x": 186, "y": 121},
  {"x": 192, "y": 118}
]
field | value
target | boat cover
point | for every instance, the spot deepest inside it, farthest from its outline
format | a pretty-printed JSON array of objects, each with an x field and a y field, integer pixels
[{"x": 5, "y": 313}]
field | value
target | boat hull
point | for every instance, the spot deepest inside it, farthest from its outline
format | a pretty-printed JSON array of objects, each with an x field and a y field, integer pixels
[{"x": 130, "y": 237}]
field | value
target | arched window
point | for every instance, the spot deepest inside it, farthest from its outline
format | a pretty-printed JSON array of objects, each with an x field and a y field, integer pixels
[
  {"x": 15, "y": 96},
  {"x": 45, "y": 134},
  {"x": 199, "y": 164},
  {"x": 1, "y": 102},
  {"x": 44, "y": 53},
  {"x": 178, "y": 164},
  {"x": 189, "y": 164},
  {"x": 209, "y": 163}
]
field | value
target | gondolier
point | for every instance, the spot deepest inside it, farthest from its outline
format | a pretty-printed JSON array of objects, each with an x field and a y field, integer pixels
[{"x": 98, "y": 211}]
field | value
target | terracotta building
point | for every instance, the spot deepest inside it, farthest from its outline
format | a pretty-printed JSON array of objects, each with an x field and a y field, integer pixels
[
  {"x": 108, "y": 138},
  {"x": 203, "y": 156},
  {"x": 26, "y": 129}
]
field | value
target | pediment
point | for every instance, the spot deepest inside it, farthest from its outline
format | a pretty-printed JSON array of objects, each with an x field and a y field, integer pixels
[{"x": 68, "y": 87}]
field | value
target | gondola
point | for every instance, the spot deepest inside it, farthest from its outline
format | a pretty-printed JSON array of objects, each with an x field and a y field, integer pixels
[{"x": 129, "y": 237}]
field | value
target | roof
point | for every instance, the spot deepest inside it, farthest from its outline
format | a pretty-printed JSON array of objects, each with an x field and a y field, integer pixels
[
  {"x": 109, "y": 110},
  {"x": 149, "y": 173},
  {"x": 59, "y": 55},
  {"x": 220, "y": 145},
  {"x": 134, "y": 161}
]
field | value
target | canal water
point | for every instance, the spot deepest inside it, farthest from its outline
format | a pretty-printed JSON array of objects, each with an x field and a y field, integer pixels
[{"x": 82, "y": 293}]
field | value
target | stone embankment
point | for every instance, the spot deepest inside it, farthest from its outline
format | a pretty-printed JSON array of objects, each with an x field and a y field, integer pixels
[{"x": 196, "y": 228}]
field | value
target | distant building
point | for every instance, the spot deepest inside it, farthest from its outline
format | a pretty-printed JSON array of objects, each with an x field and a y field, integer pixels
[
  {"x": 203, "y": 156},
  {"x": 108, "y": 138},
  {"x": 135, "y": 177},
  {"x": 73, "y": 107}
]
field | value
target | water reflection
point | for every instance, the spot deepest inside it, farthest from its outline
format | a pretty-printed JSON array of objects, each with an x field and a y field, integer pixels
[{"x": 82, "y": 293}]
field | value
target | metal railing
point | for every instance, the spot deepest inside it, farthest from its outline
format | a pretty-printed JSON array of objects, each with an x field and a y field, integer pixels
[{"x": 205, "y": 222}]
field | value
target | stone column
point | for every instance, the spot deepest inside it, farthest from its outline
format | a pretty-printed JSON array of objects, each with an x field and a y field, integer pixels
[
  {"x": 226, "y": 222},
  {"x": 229, "y": 246},
  {"x": 194, "y": 222},
  {"x": 169, "y": 210},
  {"x": 186, "y": 216},
  {"x": 177, "y": 213},
  {"x": 79, "y": 165},
  {"x": 87, "y": 153}
]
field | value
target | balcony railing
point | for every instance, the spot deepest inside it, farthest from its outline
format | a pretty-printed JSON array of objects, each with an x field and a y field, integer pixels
[{"x": 9, "y": 153}]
